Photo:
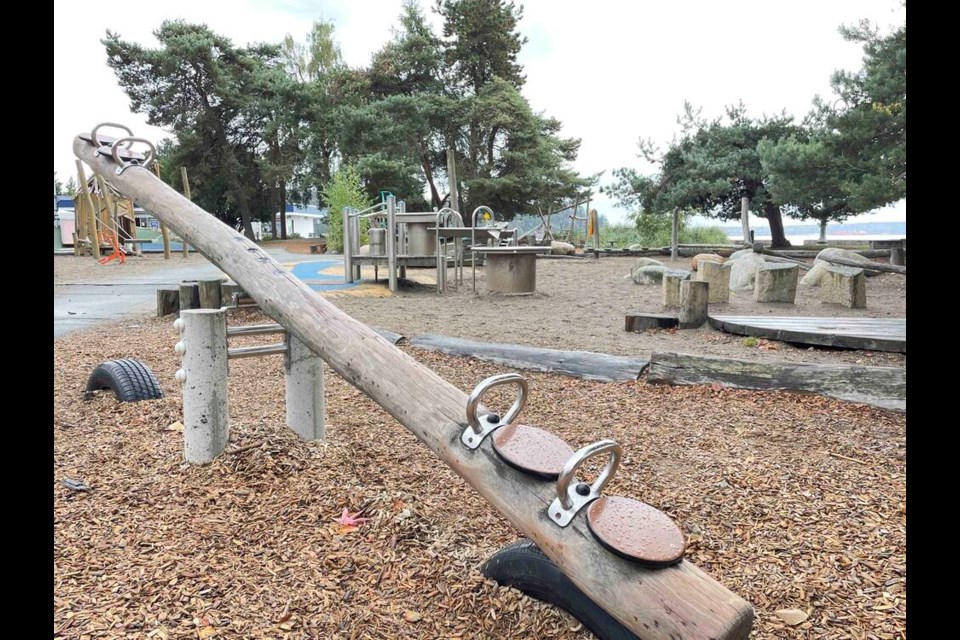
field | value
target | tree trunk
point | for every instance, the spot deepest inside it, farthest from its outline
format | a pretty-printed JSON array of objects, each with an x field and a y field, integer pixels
[
  {"x": 772, "y": 213},
  {"x": 435, "y": 199},
  {"x": 242, "y": 206},
  {"x": 745, "y": 218},
  {"x": 283, "y": 210},
  {"x": 273, "y": 224},
  {"x": 823, "y": 231}
]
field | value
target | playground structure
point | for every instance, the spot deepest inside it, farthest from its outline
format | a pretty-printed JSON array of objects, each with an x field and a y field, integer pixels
[
  {"x": 590, "y": 221},
  {"x": 613, "y": 570},
  {"x": 105, "y": 219},
  {"x": 400, "y": 239}
]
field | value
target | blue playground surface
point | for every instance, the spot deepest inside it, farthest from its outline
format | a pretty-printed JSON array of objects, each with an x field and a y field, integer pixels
[{"x": 312, "y": 274}]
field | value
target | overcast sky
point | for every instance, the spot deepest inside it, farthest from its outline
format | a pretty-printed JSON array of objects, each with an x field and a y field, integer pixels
[{"x": 611, "y": 71}]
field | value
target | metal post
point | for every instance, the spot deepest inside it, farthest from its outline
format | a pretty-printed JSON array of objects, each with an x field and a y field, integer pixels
[
  {"x": 204, "y": 378},
  {"x": 392, "y": 241},
  {"x": 402, "y": 236},
  {"x": 355, "y": 239},
  {"x": 347, "y": 247},
  {"x": 303, "y": 373}
]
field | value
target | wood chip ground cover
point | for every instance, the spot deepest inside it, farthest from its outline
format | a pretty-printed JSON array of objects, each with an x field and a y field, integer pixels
[{"x": 793, "y": 502}]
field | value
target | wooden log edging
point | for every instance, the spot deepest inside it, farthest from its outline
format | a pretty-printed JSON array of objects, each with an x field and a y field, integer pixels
[
  {"x": 679, "y": 602},
  {"x": 884, "y": 387},
  {"x": 588, "y": 365},
  {"x": 871, "y": 266}
]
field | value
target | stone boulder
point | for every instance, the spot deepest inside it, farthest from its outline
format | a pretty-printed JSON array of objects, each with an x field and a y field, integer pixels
[
  {"x": 558, "y": 248},
  {"x": 844, "y": 285},
  {"x": 743, "y": 272},
  {"x": 635, "y": 247},
  {"x": 709, "y": 257},
  {"x": 736, "y": 255},
  {"x": 776, "y": 282},
  {"x": 651, "y": 274},
  {"x": 717, "y": 275},
  {"x": 644, "y": 262},
  {"x": 671, "y": 286},
  {"x": 814, "y": 277}
]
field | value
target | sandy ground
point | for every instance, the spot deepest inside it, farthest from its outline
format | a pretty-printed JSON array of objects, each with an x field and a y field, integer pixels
[
  {"x": 792, "y": 502},
  {"x": 580, "y": 304}
]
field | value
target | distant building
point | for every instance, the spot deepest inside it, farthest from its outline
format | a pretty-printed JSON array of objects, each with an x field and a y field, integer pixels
[{"x": 306, "y": 221}]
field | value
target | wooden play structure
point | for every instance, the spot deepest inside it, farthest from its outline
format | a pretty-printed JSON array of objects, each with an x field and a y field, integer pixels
[
  {"x": 105, "y": 223},
  {"x": 570, "y": 229},
  {"x": 624, "y": 555}
]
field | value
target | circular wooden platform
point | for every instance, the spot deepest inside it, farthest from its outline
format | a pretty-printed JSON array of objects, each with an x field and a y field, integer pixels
[{"x": 871, "y": 334}]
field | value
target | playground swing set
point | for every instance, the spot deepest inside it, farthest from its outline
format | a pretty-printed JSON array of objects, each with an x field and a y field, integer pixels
[{"x": 624, "y": 556}]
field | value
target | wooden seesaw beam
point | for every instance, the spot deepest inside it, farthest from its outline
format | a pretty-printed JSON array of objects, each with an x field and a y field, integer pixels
[{"x": 677, "y": 602}]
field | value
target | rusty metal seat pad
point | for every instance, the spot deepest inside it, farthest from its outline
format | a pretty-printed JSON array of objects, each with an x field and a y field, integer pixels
[
  {"x": 636, "y": 531},
  {"x": 531, "y": 450}
]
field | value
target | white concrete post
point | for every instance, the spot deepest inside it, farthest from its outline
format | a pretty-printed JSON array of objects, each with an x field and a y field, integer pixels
[
  {"x": 303, "y": 373},
  {"x": 204, "y": 378}
]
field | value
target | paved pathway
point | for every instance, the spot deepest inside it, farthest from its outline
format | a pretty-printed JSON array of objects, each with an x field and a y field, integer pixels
[{"x": 81, "y": 305}]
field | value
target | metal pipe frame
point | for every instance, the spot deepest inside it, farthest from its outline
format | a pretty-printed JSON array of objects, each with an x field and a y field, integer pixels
[
  {"x": 259, "y": 350},
  {"x": 392, "y": 242},
  {"x": 255, "y": 330},
  {"x": 347, "y": 247}
]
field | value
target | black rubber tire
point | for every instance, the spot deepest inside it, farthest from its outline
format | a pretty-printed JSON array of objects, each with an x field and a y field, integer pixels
[
  {"x": 523, "y": 566},
  {"x": 129, "y": 379}
]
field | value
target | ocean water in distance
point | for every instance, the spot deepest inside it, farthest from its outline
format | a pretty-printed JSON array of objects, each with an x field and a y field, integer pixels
[{"x": 796, "y": 234}]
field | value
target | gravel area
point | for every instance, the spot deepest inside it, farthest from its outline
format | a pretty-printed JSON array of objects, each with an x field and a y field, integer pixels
[{"x": 793, "y": 502}]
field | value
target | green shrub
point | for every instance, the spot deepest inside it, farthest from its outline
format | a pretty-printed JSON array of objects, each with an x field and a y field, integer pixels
[
  {"x": 704, "y": 235},
  {"x": 653, "y": 230},
  {"x": 345, "y": 189}
]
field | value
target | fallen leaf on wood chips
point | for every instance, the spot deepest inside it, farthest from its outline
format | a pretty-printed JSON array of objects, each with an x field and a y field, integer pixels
[{"x": 792, "y": 616}]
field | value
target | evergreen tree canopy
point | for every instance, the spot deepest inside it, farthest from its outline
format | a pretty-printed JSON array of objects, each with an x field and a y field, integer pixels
[
  {"x": 870, "y": 118},
  {"x": 709, "y": 169},
  {"x": 199, "y": 85},
  {"x": 255, "y": 125}
]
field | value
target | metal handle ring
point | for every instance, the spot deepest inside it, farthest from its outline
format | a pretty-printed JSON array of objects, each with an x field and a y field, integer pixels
[
  {"x": 118, "y": 144},
  {"x": 98, "y": 143},
  {"x": 477, "y": 430},
  {"x": 568, "y": 475},
  {"x": 570, "y": 499}
]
